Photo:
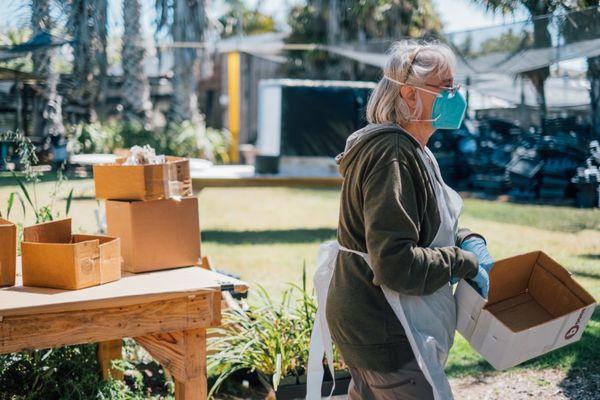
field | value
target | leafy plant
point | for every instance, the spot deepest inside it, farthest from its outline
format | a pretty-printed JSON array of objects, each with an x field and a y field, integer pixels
[
  {"x": 184, "y": 139},
  {"x": 28, "y": 186},
  {"x": 44, "y": 212},
  {"x": 65, "y": 373},
  {"x": 94, "y": 138},
  {"x": 270, "y": 338},
  {"x": 52, "y": 373},
  {"x": 26, "y": 152}
]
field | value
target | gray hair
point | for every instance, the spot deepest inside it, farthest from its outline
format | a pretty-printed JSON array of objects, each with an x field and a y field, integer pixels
[{"x": 386, "y": 105}]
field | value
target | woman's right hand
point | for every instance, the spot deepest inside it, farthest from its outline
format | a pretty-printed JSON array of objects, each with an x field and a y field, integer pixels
[
  {"x": 477, "y": 246},
  {"x": 481, "y": 282}
]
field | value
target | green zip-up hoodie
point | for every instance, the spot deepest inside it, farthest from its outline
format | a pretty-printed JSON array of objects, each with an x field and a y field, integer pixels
[{"x": 388, "y": 209}]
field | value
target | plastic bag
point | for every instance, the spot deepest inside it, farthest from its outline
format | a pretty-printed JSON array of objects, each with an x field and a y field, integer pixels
[{"x": 144, "y": 155}]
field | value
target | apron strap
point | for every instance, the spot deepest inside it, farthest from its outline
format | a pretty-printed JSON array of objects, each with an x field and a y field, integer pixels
[{"x": 320, "y": 338}]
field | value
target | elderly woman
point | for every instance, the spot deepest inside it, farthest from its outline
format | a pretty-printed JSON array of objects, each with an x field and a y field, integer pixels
[{"x": 396, "y": 208}]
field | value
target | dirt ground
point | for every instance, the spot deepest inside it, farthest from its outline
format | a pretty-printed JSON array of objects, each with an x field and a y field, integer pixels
[{"x": 528, "y": 384}]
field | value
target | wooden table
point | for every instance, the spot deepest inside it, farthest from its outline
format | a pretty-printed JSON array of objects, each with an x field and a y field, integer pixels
[{"x": 167, "y": 312}]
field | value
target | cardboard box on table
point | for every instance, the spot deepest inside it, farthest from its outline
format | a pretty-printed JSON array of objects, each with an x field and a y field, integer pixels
[
  {"x": 143, "y": 182},
  {"x": 54, "y": 257},
  {"x": 534, "y": 306},
  {"x": 8, "y": 252},
  {"x": 157, "y": 234}
]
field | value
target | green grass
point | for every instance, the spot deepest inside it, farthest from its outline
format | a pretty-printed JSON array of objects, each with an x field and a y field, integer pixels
[
  {"x": 267, "y": 235},
  {"x": 553, "y": 218}
]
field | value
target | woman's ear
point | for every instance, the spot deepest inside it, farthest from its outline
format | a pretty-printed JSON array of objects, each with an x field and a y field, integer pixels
[{"x": 409, "y": 95}]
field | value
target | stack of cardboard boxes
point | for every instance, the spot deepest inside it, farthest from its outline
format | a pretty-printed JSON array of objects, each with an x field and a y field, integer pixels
[{"x": 152, "y": 210}]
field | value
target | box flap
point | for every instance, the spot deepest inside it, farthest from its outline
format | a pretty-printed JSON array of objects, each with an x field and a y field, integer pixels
[
  {"x": 5, "y": 222},
  {"x": 552, "y": 293},
  {"x": 564, "y": 276},
  {"x": 509, "y": 277},
  {"x": 79, "y": 237},
  {"x": 492, "y": 339},
  {"x": 469, "y": 304},
  {"x": 87, "y": 263},
  {"x": 49, "y": 232}
]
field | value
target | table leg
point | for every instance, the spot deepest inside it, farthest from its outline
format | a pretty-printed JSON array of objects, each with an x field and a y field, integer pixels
[
  {"x": 193, "y": 389},
  {"x": 107, "y": 352},
  {"x": 195, "y": 386},
  {"x": 183, "y": 353}
]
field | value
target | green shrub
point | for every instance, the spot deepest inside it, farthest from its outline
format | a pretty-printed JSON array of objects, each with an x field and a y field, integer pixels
[
  {"x": 73, "y": 373},
  {"x": 66, "y": 373},
  {"x": 94, "y": 137},
  {"x": 185, "y": 139},
  {"x": 271, "y": 339}
]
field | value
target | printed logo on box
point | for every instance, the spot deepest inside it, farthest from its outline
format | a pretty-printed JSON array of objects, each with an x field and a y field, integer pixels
[{"x": 575, "y": 328}]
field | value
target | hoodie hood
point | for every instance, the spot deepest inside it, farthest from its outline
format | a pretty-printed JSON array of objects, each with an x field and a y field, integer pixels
[{"x": 358, "y": 139}]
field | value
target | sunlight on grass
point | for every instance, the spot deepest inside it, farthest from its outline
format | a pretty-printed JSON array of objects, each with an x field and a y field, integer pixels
[{"x": 266, "y": 235}]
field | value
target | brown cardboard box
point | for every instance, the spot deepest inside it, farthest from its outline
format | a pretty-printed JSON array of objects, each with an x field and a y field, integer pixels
[
  {"x": 158, "y": 234},
  {"x": 534, "y": 306},
  {"x": 53, "y": 257},
  {"x": 143, "y": 182},
  {"x": 8, "y": 252}
]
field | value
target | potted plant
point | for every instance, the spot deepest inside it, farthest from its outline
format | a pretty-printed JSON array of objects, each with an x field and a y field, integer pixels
[{"x": 270, "y": 341}]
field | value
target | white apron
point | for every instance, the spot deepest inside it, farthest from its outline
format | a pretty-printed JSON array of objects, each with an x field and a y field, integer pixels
[{"x": 429, "y": 321}]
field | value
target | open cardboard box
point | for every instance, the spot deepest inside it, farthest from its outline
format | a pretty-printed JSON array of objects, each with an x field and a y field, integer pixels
[
  {"x": 143, "y": 182},
  {"x": 155, "y": 235},
  {"x": 54, "y": 257},
  {"x": 8, "y": 252},
  {"x": 534, "y": 306}
]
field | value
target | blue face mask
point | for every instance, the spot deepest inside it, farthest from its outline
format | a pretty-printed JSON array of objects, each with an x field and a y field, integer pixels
[{"x": 448, "y": 109}]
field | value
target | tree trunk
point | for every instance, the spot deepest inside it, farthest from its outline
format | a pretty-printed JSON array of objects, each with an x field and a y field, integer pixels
[
  {"x": 47, "y": 110},
  {"x": 541, "y": 39},
  {"x": 333, "y": 22},
  {"x": 135, "y": 90},
  {"x": 87, "y": 25},
  {"x": 189, "y": 24},
  {"x": 593, "y": 75},
  {"x": 101, "y": 19}
]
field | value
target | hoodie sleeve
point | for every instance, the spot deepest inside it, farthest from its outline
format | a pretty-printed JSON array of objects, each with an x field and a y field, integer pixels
[
  {"x": 464, "y": 233},
  {"x": 392, "y": 233}
]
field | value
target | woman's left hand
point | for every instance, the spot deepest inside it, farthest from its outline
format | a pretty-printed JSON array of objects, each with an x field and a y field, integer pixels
[{"x": 476, "y": 245}]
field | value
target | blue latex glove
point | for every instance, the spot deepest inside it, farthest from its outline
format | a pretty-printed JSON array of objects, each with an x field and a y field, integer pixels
[
  {"x": 481, "y": 282},
  {"x": 476, "y": 245}
]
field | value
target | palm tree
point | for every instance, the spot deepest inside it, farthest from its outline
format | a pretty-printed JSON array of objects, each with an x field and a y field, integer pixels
[
  {"x": 135, "y": 90},
  {"x": 47, "y": 111},
  {"x": 351, "y": 21},
  {"x": 370, "y": 23},
  {"x": 186, "y": 21},
  {"x": 541, "y": 35},
  {"x": 87, "y": 24},
  {"x": 585, "y": 25}
]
